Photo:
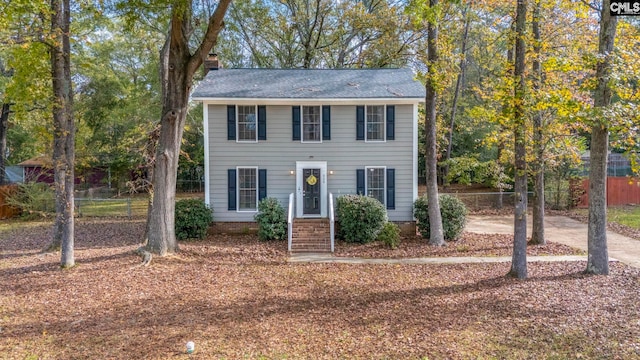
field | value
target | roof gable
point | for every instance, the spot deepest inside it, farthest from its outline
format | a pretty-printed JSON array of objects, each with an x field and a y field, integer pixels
[{"x": 309, "y": 84}]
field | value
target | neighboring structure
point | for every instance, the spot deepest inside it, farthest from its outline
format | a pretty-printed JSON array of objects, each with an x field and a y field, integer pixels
[
  {"x": 40, "y": 169},
  {"x": 311, "y": 133}
]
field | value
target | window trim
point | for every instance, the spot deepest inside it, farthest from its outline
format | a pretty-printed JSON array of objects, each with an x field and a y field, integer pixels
[
  {"x": 238, "y": 188},
  {"x": 384, "y": 124},
  {"x": 366, "y": 181},
  {"x": 255, "y": 107},
  {"x": 302, "y": 125}
]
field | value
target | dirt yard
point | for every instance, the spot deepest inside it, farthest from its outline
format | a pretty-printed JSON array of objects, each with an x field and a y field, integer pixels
[{"x": 238, "y": 298}]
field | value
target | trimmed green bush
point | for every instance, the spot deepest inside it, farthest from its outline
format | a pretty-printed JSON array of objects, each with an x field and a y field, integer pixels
[
  {"x": 360, "y": 218},
  {"x": 454, "y": 216},
  {"x": 193, "y": 217},
  {"x": 272, "y": 220},
  {"x": 390, "y": 235}
]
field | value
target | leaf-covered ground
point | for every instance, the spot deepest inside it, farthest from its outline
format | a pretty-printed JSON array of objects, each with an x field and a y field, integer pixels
[
  {"x": 467, "y": 245},
  {"x": 238, "y": 298}
]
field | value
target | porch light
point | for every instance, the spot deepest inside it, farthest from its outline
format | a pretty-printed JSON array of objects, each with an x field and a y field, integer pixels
[
  {"x": 291, "y": 172},
  {"x": 330, "y": 172}
]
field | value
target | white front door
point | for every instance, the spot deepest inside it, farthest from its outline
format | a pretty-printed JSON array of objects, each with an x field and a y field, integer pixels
[{"x": 311, "y": 189}]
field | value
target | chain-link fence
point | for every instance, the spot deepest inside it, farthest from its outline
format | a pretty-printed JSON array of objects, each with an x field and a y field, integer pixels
[{"x": 504, "y": 200}]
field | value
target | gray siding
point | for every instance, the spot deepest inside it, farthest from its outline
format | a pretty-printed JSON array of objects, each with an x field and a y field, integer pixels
[{"x": 278, "y": 154}]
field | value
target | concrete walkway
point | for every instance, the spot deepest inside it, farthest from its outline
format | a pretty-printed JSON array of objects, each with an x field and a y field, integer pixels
[
  {"x": 559, "y": 229},
  {"x": 563, "y": 230},
  {"x": 328, "y": 258}
]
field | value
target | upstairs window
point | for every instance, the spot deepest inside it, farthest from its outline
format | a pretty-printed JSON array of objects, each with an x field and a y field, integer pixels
[
  {"x": 375, "y": 123},
  {"x": 247, "y": 123},
  {"x": 311, "y": 124}
]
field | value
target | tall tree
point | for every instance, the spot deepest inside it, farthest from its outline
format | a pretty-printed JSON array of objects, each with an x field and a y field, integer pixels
[
  {"x": 431, "y": 155},
  {"x": 5, "y": 110},
  {"x": 178, "y": 67},
  {"x": 64, "y": 130},
  {"x": 598, "y": 257},
  {"x": 459, "y": 82},
  {"x": 519, "y": 259},
  {"x": 537, "y": 231}
]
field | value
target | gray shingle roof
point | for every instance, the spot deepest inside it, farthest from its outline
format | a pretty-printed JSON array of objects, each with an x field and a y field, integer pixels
[{"x": 309, "y": 84}]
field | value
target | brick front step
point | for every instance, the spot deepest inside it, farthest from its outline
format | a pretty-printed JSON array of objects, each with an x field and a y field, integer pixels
[{"x": 311, "y": 236}]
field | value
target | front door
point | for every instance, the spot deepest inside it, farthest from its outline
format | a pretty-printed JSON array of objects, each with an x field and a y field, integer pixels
[{"x": 311, "y": 191}]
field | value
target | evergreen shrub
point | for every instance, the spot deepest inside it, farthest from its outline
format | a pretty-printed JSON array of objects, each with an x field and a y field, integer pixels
[
  {"x": 360, "y": 218},
  {"x": 272, "y": 220},
  {"x": 453, "y": 211},
  {"x": 390, "y": 235},
  {"x": 192, "y": 219}
]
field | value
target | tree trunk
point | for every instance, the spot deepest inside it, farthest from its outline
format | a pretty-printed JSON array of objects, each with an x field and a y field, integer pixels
[
  {"x": 456, "y": 93},
  {"x": 598, "y": 257},
  {"x": 519, "y": 259},
  {"x": 537, "y": 232},
  {"x": 178, "y": 74},
  {"x": 4, "y": 126},
  {"x": 63, "y": 132},
  {"x": 435, "y": 217}
]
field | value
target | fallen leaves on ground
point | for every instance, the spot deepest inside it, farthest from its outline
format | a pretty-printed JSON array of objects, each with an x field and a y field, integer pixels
[
  {"x": 238, "y": 298},
  {"x": 469, "y": 244}
]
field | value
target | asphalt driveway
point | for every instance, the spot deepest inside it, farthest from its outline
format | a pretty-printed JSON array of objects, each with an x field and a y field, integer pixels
[{"x": 563, "y": 230}]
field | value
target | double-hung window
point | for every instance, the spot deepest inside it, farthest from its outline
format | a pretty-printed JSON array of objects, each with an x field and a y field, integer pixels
[
  {"x": 311, "y": 124},
  {"x": 247, "y": 123},
  {"x": 247, "y": 189},
  {"x": 376, "y": 183},
  {"x": 375, "y": 123}
]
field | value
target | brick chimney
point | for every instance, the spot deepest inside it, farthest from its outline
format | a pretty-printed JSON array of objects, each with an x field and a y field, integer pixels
[{"x": 211, "y": 63}]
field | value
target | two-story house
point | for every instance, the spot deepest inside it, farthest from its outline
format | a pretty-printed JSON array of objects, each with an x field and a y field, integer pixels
[{"x": 310, "y": 133}]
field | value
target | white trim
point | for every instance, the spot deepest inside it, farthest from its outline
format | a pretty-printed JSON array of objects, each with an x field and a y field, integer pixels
[
  {"x": 322, "y": 165},
  {"x": 205, "y": 126},
  {"x": 366, "y": 181},
  {"x": 384, "y": 124},
  {"x": 238, "y": 189},
  {"x": 302, "y": 125},
  {"x": 255, "y": 107},
  {"x": 415, "y": 152},
  {"x": 321, "y": 101}
]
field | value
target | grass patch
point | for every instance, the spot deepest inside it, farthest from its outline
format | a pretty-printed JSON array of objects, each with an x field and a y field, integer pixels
[{"x": 625, "y": 215}]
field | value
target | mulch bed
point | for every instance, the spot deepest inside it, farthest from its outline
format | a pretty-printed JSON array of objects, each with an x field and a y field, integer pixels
[
  {"x": 238, "y": 298},
  {"x": 469, "y": 244}
]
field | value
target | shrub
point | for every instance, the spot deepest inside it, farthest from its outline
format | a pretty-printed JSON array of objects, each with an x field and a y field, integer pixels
[
  {"x": 390, "y": 235},
  {"x": 33, "y": 199},
  {"x": 360, "y": 218},
  {"x": 192, "y": 219},
  {"x": 272, "y": 220},
  {"x": 454, "y": 216}
]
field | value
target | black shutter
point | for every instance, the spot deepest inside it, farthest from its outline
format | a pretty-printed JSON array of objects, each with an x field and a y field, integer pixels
[
  {"x": 391, "y": 189},
  {"x": 231, "y": 185},
  {"x": 295, "y": 128},
  {"x": 262, "y": 184},
  {"x": 262, "y": 122},
  {"x": 326, "y": 122},
  {"x": 391, "y": 122},
  {"x": 360, "y": 181},
  {"x": 360, "y": 122},
  {"x": 231, "y": 122}
]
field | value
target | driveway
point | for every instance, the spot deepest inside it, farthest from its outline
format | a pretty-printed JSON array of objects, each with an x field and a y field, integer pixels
[{"x": 563, "y": 230}]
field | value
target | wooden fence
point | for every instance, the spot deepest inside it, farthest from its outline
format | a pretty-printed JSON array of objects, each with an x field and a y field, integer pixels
[
  {"x": 7, "y": 211},
  {"x": 620, "y": 191}
]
